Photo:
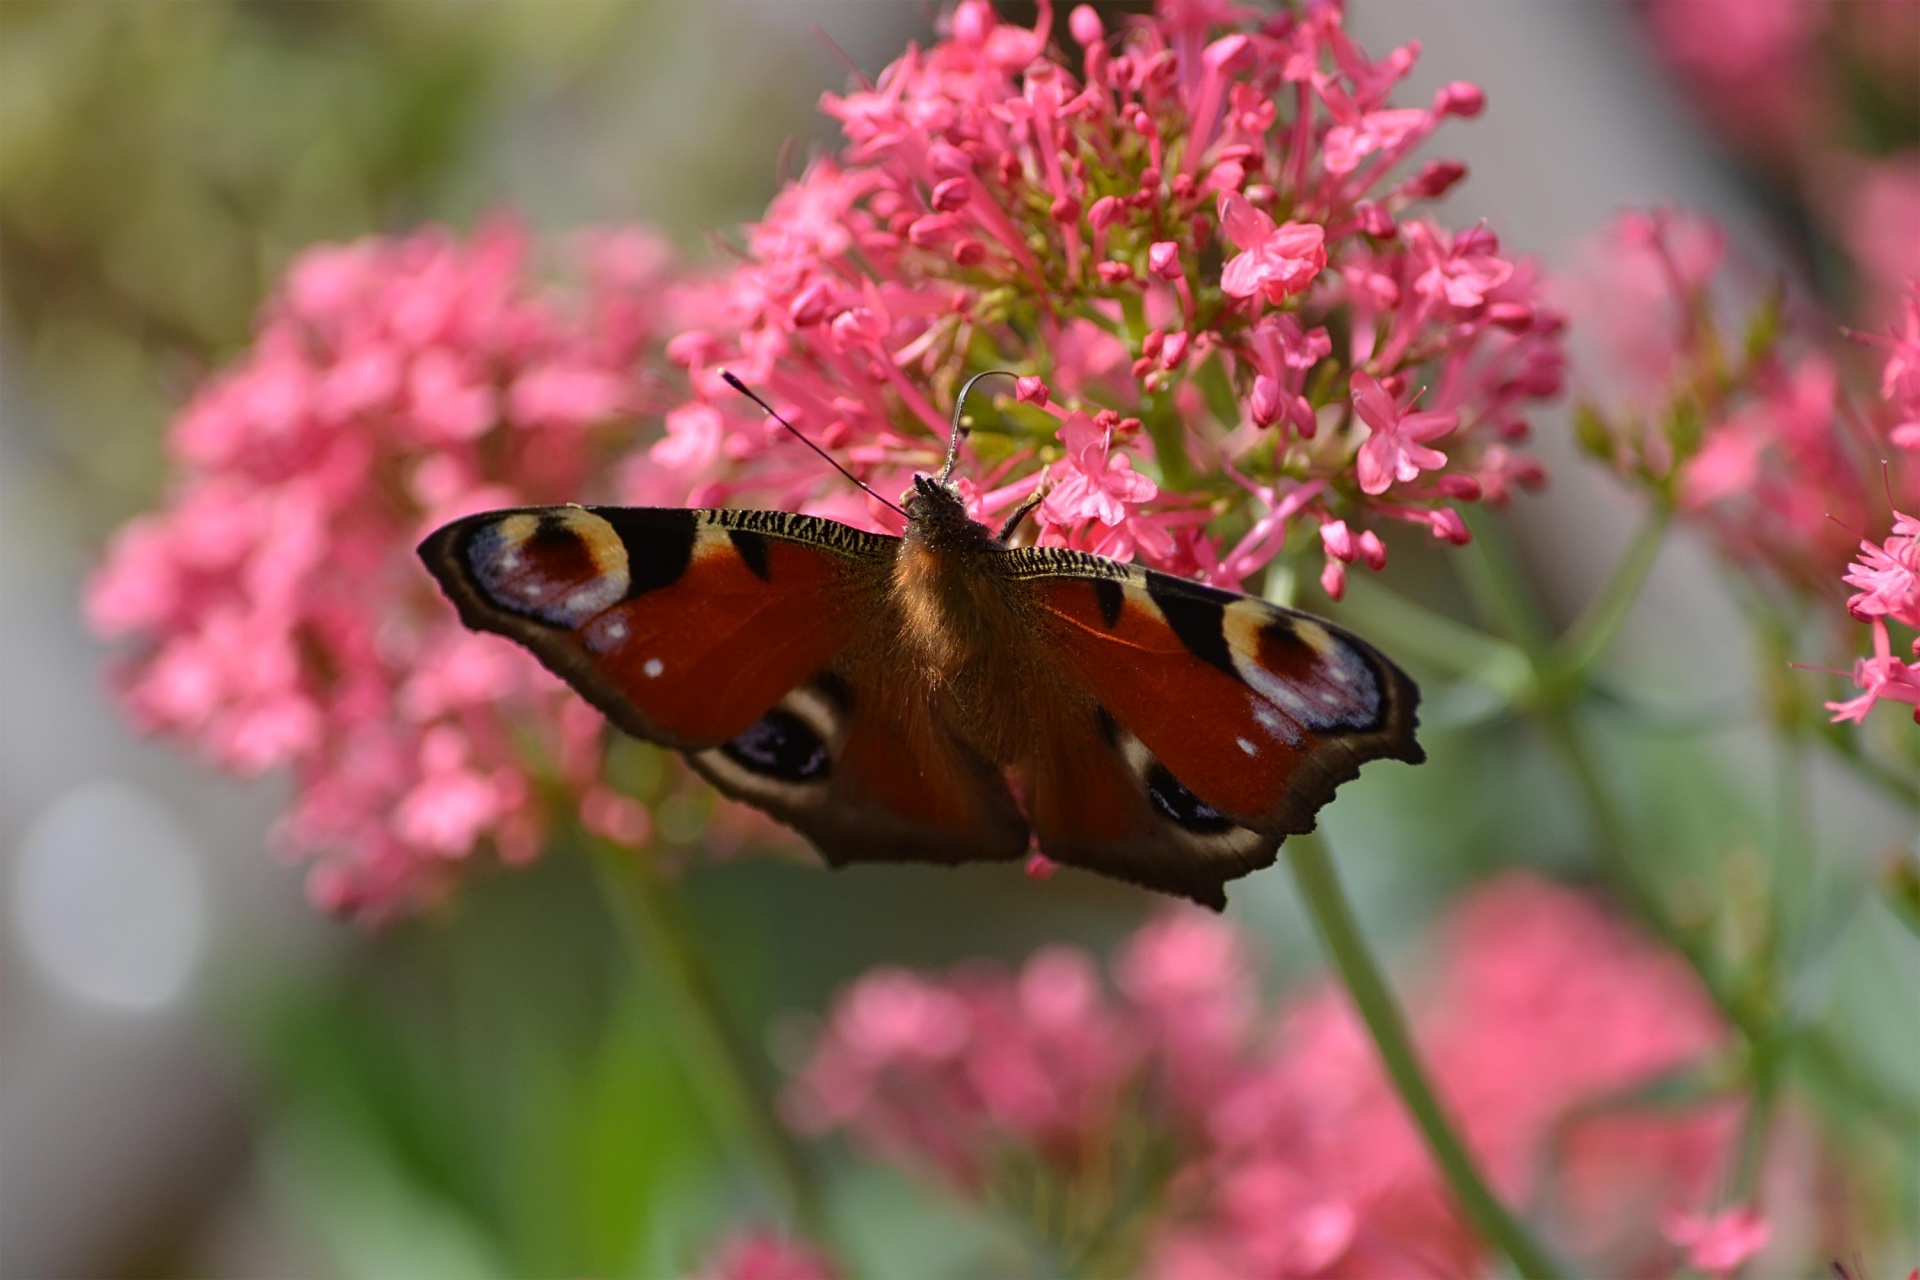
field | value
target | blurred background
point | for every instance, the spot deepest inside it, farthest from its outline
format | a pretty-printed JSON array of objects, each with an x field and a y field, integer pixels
[{"x": 199, "y": 1074}]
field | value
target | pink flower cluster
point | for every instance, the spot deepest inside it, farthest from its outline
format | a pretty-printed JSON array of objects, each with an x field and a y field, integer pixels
[
  {"x": 1759, "y": 444},
  {"x": 281, "y": 619},
  {"x": 1201, "y": 249},
  {"x": 1754, "y": 439},
  {"x": 1290, "y": 1154}
]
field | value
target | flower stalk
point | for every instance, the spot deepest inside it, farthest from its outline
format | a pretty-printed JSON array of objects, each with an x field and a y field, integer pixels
[
  {"x": 1319, "y": 887},
  {"x": 718, "y": 1059}
]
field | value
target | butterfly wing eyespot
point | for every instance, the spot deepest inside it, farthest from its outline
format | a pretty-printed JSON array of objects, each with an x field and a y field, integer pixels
[{"x": 1233, "y": 715}]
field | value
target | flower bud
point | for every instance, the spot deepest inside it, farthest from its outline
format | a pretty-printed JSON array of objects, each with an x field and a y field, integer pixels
[
  {"x": 1514, "y": 317},
  {"x": 1435, "y": 179},
  {"x": 1448, "y": 526},
  {"x": 948, "y": 160},
  {"x": 1375, "y": 220},
  {"x": 1333, "y": 579},
  {"x": 1459, "y": 98},
  {"x": 952, "y": 194},
  {"x": 1104, "y": 212},
  {"x": 1265, "y": 404},
  {"x": 1164, "y": 259},
  {"x": 1085, "y": 25},
  {"x": 1373, "y": 551},
  {"x": 812, "y": 304}
]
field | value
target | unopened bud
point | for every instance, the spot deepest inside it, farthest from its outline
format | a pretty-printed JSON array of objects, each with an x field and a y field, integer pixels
[
  {"x": 952, "y": 194},
  {"x": 1085, "y": 24}
]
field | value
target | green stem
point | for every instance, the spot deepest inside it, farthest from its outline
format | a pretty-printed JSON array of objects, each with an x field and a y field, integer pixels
[
  {"x": 1751, "y": 1153},
  {"x": 724, "y": 1070},
  {"x": 1845, "y": 743},
  {"x": 1320, "y": 889},
  {"x": 1589, "y": 637}
]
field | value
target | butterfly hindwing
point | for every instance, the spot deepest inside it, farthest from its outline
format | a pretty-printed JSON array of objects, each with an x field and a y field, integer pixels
[
  {"x": 1101, "y": 801},
  {"x": 1257, "y": 711},
  {"x": 851, "y": 765}
]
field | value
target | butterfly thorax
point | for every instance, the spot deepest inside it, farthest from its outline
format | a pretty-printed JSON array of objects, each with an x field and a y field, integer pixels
[{"x": 961, "y": 619}]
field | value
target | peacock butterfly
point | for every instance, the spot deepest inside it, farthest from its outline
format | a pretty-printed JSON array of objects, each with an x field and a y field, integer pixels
[{"x": 889, "y": 697}]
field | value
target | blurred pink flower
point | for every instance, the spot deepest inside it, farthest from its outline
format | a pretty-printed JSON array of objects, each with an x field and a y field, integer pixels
[
  {"x": 761, "y": 1254},
  {"x": 1900, "y": 377},
  {"x": 1290, "y": 1153},
  {"x": 1761, "y": 444},
  {"x": 1751, "y": 65},
  {"x": 1718, "y": 1244},
  {"x": 279, "y": 618},
  {"x": 1875, "y": 211}
]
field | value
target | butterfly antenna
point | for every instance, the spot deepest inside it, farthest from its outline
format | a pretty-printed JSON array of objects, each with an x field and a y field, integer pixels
[
  {"x": 959, "y": 411},
  {"x": 747, "y": 391}
]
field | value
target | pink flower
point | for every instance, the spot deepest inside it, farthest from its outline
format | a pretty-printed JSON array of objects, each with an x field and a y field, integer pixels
[
  {"x": 761, "y": 1254},
  {"x": 1274, "y": 262},
  {"x": 1720, "y": 1243},
  {"x": 1888, "y": 576},
  {"x": 1395, "y": 451},
  {"x": 1098, "y": 483},
  {"x": 1881, "y": 676}
]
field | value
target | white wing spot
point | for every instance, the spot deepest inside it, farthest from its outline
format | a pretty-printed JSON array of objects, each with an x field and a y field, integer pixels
[
  {"x": 616, "y": 631},
  {"x": 1247, "y": 747},
  {"x": 653, "y": 667}
]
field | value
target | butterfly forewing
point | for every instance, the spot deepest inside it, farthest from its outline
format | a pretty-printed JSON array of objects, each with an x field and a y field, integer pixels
[{"x": 683, "y": 626}]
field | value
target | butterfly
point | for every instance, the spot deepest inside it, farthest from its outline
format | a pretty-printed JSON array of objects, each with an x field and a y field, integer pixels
[{"x": 943, "y": 696}]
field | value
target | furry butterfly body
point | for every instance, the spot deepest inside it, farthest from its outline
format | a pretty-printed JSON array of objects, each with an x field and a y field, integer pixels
[{"x": 891, "y": 697}]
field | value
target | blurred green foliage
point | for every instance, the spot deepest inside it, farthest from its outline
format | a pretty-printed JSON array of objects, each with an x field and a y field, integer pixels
[{"x": 160, "y": 162}]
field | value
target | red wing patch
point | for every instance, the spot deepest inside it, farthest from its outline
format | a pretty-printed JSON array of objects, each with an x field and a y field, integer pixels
[
  {"x": 684, "y": 630},
  {"x": 1260, "y": 712}
]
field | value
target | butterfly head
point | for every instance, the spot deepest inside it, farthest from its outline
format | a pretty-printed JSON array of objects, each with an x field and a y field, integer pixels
[{"x": 937, "y": 514}]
